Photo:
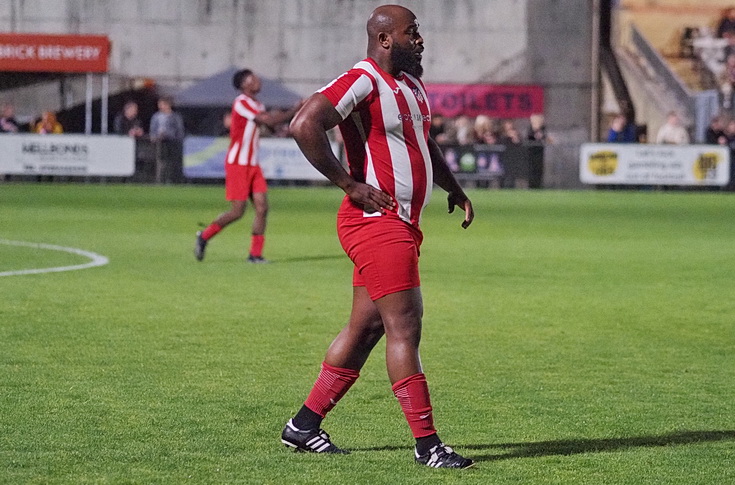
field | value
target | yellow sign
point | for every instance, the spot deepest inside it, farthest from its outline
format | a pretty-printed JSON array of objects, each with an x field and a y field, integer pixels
[
  {"x": 603, "y": 163},
  {"x": 705, "y": 167}
]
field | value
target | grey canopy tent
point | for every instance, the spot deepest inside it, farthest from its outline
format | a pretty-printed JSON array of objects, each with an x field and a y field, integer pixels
[{"x": 217, "y": 91}]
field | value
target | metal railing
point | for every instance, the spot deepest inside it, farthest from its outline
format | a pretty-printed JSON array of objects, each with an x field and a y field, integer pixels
[{"x": 700, "y": 106}]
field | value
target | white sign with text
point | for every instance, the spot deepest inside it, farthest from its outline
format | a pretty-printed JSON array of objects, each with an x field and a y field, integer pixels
[
  {"x": 639, "y": 164},
  {"x": 70, "y": 155}
]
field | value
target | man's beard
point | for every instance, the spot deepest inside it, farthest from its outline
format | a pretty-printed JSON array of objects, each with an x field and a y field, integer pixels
[{"x": 405, "y": 60}]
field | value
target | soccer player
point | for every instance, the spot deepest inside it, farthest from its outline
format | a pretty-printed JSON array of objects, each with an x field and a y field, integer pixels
[
  {"x": 382, "y": 110},
  {"x": 243, "y": 177}
]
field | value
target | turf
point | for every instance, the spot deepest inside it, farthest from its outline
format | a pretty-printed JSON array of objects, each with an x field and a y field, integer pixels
[{"x": 569, "y": 337}]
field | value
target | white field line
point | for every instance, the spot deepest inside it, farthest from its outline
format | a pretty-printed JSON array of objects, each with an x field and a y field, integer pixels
[{"x": 95, "y": 259}]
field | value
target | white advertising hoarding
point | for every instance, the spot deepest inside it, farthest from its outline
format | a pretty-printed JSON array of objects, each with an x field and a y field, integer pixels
[
  {"x": 77, "y": 155},
  {"x": 639, "y": 164},
  {"x": 279, "y": 158}
]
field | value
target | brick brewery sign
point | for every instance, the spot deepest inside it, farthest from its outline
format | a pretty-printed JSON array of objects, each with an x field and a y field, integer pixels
[
  {"x": 54, "y": 53},
  {"x": 494, "y": 100}
]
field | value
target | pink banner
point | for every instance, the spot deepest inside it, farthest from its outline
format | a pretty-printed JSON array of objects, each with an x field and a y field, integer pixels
[{"x": 494, "y": 100}]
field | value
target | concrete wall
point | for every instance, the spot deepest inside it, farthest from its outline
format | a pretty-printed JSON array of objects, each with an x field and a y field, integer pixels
[{"x": 305, "y": 43}]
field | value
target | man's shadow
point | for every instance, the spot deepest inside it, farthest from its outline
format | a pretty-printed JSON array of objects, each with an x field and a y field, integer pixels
[
  {"x": 604, "y": 445},
  {"x": 301, "y": 259},
  {"x": 574, "y": 447}
]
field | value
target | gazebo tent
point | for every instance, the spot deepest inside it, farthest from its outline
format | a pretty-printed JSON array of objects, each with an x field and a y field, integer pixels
[{"x": 217, "y": 91}]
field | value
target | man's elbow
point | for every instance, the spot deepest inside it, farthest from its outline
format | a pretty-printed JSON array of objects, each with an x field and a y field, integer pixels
[{"x": 299, "y": 126}]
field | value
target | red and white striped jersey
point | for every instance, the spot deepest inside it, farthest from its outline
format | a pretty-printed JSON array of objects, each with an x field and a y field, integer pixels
[
  {"x": 385, "y": 128},
  {"x": 244, "y": 133}
]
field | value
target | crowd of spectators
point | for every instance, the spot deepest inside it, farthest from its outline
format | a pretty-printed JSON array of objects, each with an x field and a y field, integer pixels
[
  {"x": 721, "y": 131},
  {"x": 167, "y": 124},
  {"x": 484, "y": 130},
  {"x": 719, "y": 57},
  {"x": 45, "y": 124},
  {"x": 624, "y": 130}
]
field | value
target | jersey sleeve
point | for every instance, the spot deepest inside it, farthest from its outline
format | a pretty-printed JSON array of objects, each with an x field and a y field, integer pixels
[
  {"x": 348, "y": 90},
  {"x": 245, "y": 109}
]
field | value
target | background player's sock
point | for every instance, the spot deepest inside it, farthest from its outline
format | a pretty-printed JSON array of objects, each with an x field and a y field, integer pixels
[
  {"x": 330, "y": 386},
  {"x": 211, "y": 231},
  {"x": 256, "y": 245},
  {"x": 413, "y": 396}
]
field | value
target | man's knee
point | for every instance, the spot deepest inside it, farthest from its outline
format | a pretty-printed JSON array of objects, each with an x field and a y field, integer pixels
[
  {"x": 404, "y": 326},
  {"x": 260, "y": 204},
  {"x": 372, "y": 332}
]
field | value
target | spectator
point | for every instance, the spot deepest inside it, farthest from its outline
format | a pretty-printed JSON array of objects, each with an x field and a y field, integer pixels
[
  {"x": 167, "y": 131},
  {"x": 537, "y": 129},
  {"x": 536, "y": 136},
  {"x": 463, "y": 125},
  {"x": 726, "y": 27},
  {"x": 621, "y": 131},
  {"x": 48, "y": 124},
  {"x": 729, "y": 48},
  {"x": 672, "y": 132},
  {"x": 715, "y": 134},
  {"x": 166, "y": 124},
  {"x": 437, "y": 130},
  {"x": 509, "y": 134},
  {"x": 729, "y": 133},
  {"x": 8, "y": 123},
  {"x": 485, "y": 131},
  {"x": 127, "y": 122},
  {"x": 726, "y": 81}
]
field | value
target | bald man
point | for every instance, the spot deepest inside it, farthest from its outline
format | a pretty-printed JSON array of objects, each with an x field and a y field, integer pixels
[{"x": 382, "y": 111}]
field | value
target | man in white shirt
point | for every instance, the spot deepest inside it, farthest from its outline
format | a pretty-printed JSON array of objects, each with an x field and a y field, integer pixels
[{"x": 672, "y": 132}]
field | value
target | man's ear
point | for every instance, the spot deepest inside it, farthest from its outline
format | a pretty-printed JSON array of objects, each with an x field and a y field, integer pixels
[{"x": 384, "y": 39}]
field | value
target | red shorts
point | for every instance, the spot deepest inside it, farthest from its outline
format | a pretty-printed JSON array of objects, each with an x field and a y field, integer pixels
[
  {"x": 385, "y": 251},
  {"x": 243, "y": 180}
]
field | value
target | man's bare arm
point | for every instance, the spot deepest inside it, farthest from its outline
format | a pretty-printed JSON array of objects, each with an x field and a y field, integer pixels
[
  {"x": 273, "y": 118},
  {"x": 444, "y": 178},
  {"x": 309, "y": 127}
]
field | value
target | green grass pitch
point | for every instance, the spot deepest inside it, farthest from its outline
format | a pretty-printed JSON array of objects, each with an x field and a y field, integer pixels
[{"x": 569, "y": 338}]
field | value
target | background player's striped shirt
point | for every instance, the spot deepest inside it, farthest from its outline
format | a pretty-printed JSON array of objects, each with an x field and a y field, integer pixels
[
  {"x": 244, "y": 133},
  {"x": 385, "y": 128}
]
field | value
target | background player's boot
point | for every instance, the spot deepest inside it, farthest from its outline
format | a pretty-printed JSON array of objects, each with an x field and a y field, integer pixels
[
  {"x": 257, "y": 259},
  {"x": 199, "y": 247},
  {"x": 442, "y": 456},
  {"x": 313, "y": 440}
]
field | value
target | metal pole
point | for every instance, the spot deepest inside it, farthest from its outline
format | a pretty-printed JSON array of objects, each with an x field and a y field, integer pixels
[
  {"x": 596, "y": 86},
  {"x": 104, "y": 102},
  {"x": 88, "y": 106}
]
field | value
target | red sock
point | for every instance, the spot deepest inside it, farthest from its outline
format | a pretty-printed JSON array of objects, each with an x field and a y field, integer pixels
[
  {"x": 211, "y": 231},
  {"x": 256, "y": 245},
  {"x": 413, "y": 396},
  {"x": 330, "y": 386}
]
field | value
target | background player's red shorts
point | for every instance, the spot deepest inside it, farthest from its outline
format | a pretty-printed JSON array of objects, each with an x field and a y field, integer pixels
[
  {"x": 243, "y": 180},
  {"x": 385, "y": 251}
]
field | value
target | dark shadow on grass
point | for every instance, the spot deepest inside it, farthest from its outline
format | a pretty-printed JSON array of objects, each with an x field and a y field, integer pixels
[
  {"x": 302, "y": 259},
  {"x": 299, "y": 259},
  {"x": 575, "y": 447}
]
